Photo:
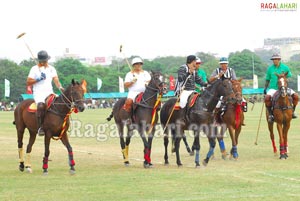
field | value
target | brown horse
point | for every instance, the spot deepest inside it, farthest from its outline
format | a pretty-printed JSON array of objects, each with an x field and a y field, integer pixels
[
  {"x": 282, "y": 111},
  {"x": 231, "y": 119},
  {"x": 56, "y": 123},
  {"x": 144, "y": 117}
]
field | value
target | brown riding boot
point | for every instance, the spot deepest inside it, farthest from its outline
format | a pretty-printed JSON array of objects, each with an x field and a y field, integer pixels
[
  {"x": 268, "y": 103},
  {"x": 126, "y": 111},
  {"x": 40, "y": 114},
  {"x": 295, "y": 103}
]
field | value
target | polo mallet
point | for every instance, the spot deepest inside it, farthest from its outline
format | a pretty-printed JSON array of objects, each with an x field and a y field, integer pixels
[
  {"x": 182, "y": 88},
  {"x": 259, "y": 123},
  {"x": 125, "y": 57},
  {"x": 21, "y": 36}
]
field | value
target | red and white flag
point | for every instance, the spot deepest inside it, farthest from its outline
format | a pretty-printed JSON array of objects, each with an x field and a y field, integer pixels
[{"x": 172, "y": 83}]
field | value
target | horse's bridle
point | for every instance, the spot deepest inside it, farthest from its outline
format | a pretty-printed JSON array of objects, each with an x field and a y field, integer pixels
[
  {"x": 160, "y": 88},
  {"x": 71, "y": 104}
]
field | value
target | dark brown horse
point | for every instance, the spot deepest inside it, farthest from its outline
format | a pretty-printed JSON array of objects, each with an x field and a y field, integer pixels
[
  {"x": 197, "y": 117},
  {"x": 282, "y": 111},
  {"x": 56, "y": 124},
  {"x": 142, "y": 119},
  {"x": 231, "y": 119}
]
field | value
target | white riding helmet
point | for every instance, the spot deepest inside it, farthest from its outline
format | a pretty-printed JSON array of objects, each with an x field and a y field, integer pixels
[
  {"x": 198, "y": 60},
  {"x": 136, "y": 60}
]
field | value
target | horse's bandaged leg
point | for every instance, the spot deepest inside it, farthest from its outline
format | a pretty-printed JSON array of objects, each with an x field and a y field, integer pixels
[
  {"x": 125, "y": 156},
  {"x": 21, "y": 154},
  {"x": 45, "y": 163},
  {"x": 222, "y": 145},
  {"x": 127, "y": 151},
  {"x": 27, "y": 160}
]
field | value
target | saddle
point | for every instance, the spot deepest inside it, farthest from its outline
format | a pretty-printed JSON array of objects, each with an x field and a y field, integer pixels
[
  {"x": 276, "y": 96},
  {"x": 49, "y": 100},
  {"x": 190, "y": 103}
]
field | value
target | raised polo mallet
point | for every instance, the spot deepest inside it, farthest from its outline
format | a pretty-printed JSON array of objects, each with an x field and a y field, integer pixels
[
  {"x": 125, "y": 57},
  {"x": 21, "y": 36}
]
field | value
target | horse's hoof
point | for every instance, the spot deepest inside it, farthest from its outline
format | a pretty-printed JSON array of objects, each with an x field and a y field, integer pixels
[
  {"x": 286, "y": 154},
  {"x": 204, "y": 163},
  {"x": 146, "y": 165},
  {"x": 21, "y": 166},
  {"x": 166, "y": 163},
  {"x": 224, "y": 156},
  {"x": 233, "y": 157},
  {"x": 179, "y": 164},
  {"x": 283, "y": 157},
  {"x": 197, "y": 165},
  {"x": 45, "y": 173},
  {"x": 189, "y": 150},
  {"x": 126, "y": 164},
  {"x": 72, "y": 172},
  {"x": 28, "y": 169},
  {"x": 151, "y": 165}
]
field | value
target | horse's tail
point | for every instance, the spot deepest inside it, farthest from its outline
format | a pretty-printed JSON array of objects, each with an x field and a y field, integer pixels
[
  {"x": 110, "y": 116},
  {"x": 164, "y": 114}
]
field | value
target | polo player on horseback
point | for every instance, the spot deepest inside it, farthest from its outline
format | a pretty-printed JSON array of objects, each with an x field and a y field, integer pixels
[
  {"x": 271, "y": 81},
  {"x": 40, "y": 77},
  {"x": 136, "y": 81},
  {"x": 225, "y": 72},
  {"x": 188, "y": 73}
]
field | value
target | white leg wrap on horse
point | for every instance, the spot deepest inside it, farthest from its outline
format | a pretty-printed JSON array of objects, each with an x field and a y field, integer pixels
[{"x": 21, "y": 154}]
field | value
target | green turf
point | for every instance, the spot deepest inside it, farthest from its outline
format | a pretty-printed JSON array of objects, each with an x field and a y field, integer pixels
[{"x": 101, "y": 175}]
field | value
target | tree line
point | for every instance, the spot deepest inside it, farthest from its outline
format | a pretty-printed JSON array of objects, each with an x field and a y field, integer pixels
[{"x": 69, "y": 68}]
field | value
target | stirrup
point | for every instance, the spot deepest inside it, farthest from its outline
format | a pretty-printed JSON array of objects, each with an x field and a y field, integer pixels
[
  {"x": 41, "y": 132},
  {"x": 270, "y": 118}
]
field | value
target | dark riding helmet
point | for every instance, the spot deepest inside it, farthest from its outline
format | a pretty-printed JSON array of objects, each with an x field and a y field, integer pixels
[
  {"x": 190, "y": 59},
  {"x": 43, "y": 56}
]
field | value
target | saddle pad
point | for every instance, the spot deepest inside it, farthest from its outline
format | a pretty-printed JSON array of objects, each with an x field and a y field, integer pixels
[
  {"x": 177, "y": 106},
  {"x": 192, "y": 99},
  {"x": 33, "y": 107},
  {"x": 139, "y": 97}
]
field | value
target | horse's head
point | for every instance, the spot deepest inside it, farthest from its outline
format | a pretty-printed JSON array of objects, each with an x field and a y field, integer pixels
[
  {"x": 237, "y": 89},
  {"x": 74, "y": 94},
  {"x": 282, "y": 84},
  {"x": 223, "y": 88},
  {"x": 158, "y": 82}
]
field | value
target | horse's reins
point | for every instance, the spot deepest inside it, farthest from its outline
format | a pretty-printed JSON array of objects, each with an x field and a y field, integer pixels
[
  {"x": 156, "y": 105},
  {"x": 72, "y": 108},
  {"x": 145, "y": 100}
]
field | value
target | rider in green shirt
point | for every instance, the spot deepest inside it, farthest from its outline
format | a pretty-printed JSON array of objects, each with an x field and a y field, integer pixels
[
  {"x": 201, "y": 73},
  {"x": 271, "y": 81}
]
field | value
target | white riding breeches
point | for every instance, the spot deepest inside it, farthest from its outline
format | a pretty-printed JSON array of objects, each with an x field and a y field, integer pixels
[{"x": 184, "y": 97}]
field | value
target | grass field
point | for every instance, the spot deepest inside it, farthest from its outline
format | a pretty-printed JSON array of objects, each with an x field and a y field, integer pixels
[{"x": 101, "y": 175}]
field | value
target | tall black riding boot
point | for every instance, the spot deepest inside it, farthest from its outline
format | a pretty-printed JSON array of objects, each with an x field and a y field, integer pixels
[{"x": 40, "y": 114}]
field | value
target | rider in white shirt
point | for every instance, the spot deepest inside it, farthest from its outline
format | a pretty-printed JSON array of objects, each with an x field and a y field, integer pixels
[
  {"x": 136, "y": 81},
  {"x": 40, "y": 77}
]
